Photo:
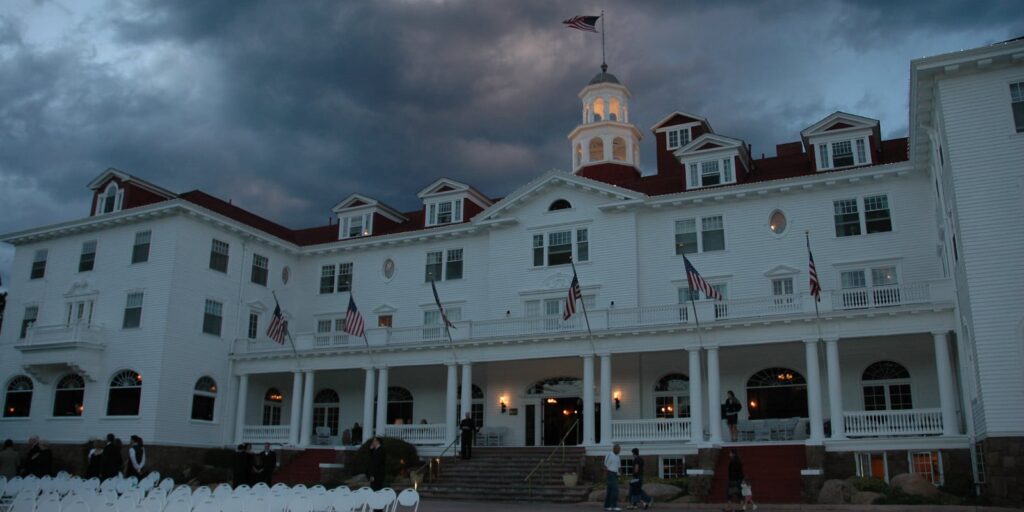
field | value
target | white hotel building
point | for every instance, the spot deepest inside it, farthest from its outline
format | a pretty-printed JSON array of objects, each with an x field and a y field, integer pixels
[{"x": 149, "y": 315}]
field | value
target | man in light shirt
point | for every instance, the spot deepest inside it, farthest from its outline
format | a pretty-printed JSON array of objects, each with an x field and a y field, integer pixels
[{"x": 611, "y": 468}]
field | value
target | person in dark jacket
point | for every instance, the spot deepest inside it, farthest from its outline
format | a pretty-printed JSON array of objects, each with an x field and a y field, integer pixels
[
  {"x": 9, "y": 460},
  {"x": 357, "y": 434},
  {"x": 732, "y": 491},
  {"x": 242, "y": 466},
  {"x": 269, "y": 463},
  {"x": 467, "y": 428},
  {"x": 30, "y": 456},
  {"x": 731, "y": 409},
  {"x": 636, "y": 483},
  {"x": 42, "y": 462},
  {"x": 136, "y": 458},
  {"x": 94, "y": 467},
  {"x": 375, "y": 469},
  {"x": 258, "y": 470},
  {"x": 112, "y": 461}
]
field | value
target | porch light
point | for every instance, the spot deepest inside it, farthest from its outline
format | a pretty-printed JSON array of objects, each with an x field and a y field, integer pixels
[
  {"x": 617, "y": 396},
  {"x": 503, "y": 400},
  {"x": 753, "y": 404},
  {"x": 552, "y": 401}
]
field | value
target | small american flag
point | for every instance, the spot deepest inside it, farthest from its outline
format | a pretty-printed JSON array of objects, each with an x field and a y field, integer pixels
[
  {"x": 813, "y": 272},
  {"x": 278, "y": 326},
  {"x": 584, "y": 23},
  {"x": 354, "y": 320},
  {"x": 440, "y": 308},
  {"x": 575, "y": 293},
  {"x": 698, "y": 283}
]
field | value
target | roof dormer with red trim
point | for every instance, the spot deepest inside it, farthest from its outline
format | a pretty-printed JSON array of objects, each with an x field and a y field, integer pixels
[
  {"x": 359, "y": 215},
  {"x": 114, "y": 191},
  {"x": 448, "y": 201},
  {"x": 842, "y": 140},
  {"x": 673, "y": 132}
]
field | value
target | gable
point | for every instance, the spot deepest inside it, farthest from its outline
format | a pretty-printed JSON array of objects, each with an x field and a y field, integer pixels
[
  {"x": 679, "y": 117},
  {"x": 839, "y": 126},
  {"x": 839, "y": 121},
  {"x": 709, "y": 145},
  {"x": 555, "y": 179}
]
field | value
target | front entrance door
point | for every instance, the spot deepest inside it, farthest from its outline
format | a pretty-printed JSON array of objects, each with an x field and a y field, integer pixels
[{"x": 559, "y": 416}]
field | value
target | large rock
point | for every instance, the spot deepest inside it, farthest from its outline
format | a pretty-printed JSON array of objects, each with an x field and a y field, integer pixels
[
  {"x": 660, "y": 492},
  {"x": 914, "y": 484},
  {"x": 836, "y": 492},
  {"x": 864, "y": 498},
  {"x": 358, "y": 481}
]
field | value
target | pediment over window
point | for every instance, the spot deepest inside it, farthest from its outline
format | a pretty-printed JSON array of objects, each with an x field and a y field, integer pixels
[
  {"x": 256, "y": 305},
  {"x": 782, "y": 271},
  {"x": 709, "y": 142},
  {"x": 357, "y": 215},
  {"x": 842, "y": 140},
  {"x": 712, "y": 160},
  {"x": 385, "y": 309},
  {"x": 678, "y": 118},
  {"x": 446, "y": 201},
  {"x": 839, "y": 121},
  {"x": 555, "y": 179}
]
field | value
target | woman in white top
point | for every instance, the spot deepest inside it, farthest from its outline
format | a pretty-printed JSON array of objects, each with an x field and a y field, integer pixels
[{"x": 136, "y": 458}]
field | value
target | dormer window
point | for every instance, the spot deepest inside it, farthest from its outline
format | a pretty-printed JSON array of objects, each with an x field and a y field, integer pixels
[
  {"x": 110, "y": 200},
  {"x": 843, "y": 153},
  {"x": 677, "y": 138},
  {"x": 357, "y": 225},
  {"x": 444, "y": 212},
  {"x": 709, "y": 173}
]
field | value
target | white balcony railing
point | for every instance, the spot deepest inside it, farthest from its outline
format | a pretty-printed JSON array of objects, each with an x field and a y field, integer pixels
[
  {"x": 661, "y": 429},
  {"x": 278, "y": 434},
  {"x": 430, "y": 433},
  {"x": 911, "y": 422},
  {"x": 651, "y": 317},
  {"x": 77, "y": 333}
]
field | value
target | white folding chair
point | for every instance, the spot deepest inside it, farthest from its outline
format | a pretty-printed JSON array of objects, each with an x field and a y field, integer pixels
[
  {"x": 207, "y": 504},
  {"x": 260, "y": 489},
  {"x": 153, "y": 503},
  {"x": 342, "y": 502},
  {"x": 103, "y": 504},
  {"x": 361, "y": 498},
  {"x": 408, "y": 498},
  {"x": 200, "y": 494},
  {"x": 30, "y": 485},
  {"x": 13, "y": 486},
  {"x": 257, "y": 504},
  {"x": 280, "y": 485},
  {"x": 383, "y": 499},
  {"x": 92, "y": 483},
  {"x": 109, "y": 484},
  {"x": 278, "y": 502},
  {"x": 166, "y": 484},
  {"x": 301, "y": 503},
  {"x": 223, "y": 490},
  {"x": 322, "y": 502},
  {"x": 125, "y": 503},
  {"x": 180, "y": 504},
  {"x": 75, "y": 505},
  {"x": 48, "y": 503},
  {"x": 182, "y": 492}
]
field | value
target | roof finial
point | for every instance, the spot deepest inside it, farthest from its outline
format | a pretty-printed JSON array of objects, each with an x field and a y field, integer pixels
[{"x": 604, "y": 67}]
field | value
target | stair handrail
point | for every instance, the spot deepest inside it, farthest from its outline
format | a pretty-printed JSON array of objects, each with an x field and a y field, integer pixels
[
  {"x": 433, "y": 464},
  {"x": 561, "y": 445}
]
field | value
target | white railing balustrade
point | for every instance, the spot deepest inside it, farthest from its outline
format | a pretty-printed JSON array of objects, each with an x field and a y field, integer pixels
[
  {"x": 63, "y": 333},
  {"x": 429, "y": 433},
  {"x": 881, "y": 296},
  {"x": 266, "y": 434},
  {"x": 331, "y": 339},
  {"x": 648, "y": 316},
  {"x": 661, "y": 429},
  {"x": 910, "y": 422}
]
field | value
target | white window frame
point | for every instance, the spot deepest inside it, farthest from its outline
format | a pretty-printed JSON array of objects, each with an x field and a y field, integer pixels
[
  {"x": 81, "y": 257},
  {"x": 129, "y": 304},
  {"x": 78, "y": 311},
  {"x": 365, "y": 225},
  {"x": 574, "y": 242},
  {"x": 937, "y": 480},
  {"x": 824, "y": 151},
  {"x": 101, "y": 202},
  {"x": 252, "y": 326},
  {"x": 434, "y": 210},
  {"x": 788, "y": 295},
  {"x": 1019, "y": 82},
  {"x": 695, "y": 172},
  {"x": 661, "y": 465},
  {"x": 698, "y": 226},
  {"x": 678, "y": 131},
  {"x": 862, "y": 213},
  {"x": 259, "y": 262},
  {"x": 863, "y": 471}
]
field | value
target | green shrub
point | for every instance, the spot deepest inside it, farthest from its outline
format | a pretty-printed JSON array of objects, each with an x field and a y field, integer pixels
[
  {"x": 863, "y": 483},
  {"x": 896, "y": 496},
  {"x": 959, "y": 485},
  {"x": 400, "y": 457}
]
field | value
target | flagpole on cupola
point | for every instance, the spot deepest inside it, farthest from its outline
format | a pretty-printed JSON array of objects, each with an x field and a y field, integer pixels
[{"x": 604, "y": 63}]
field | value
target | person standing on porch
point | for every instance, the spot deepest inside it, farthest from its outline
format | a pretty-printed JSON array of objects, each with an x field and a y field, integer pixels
[
  {"x": 732, "y": 408},
  {"x": 612, "y": 462},
  {"x": 636, "y": 484},
  {"x": 269, "y": 463},
  {"x": 468, "y": 429}
]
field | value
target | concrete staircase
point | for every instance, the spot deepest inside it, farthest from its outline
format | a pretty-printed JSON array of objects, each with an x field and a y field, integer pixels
[
  {"x": 304, "y": 468},
  {"x": 773, "y": 472},
  {"x": 497, "y": 474}
]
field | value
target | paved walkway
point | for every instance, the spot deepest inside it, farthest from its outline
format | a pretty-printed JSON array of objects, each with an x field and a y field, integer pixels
[{"x": 490, "y": 506}]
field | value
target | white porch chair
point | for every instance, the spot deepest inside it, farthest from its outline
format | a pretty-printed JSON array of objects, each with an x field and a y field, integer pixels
[
  {"x": 408, "y": 498},
  {"x": 103, "y": 504},
  {"x": 153, "y": 503},
  {"x": 280, "y": 485},
  {"x": 383, "y": 499},
  {"x": 207, "y": 504},
  {"x": 342, "y": 502},
  {"x": 75, "y": 505},
  {"x": 301, "y": 503},
  {"x": 223, "y": 490},
  {"x": 13, "y": 486},
  {"x": 178, "y": 505},
  {"x": 109, "y": 484},
  {"x": 125, "y": 503},
  {"x": 166, "y": 484},
  {"x": 322, "y": 502},
  {"x": 323, "y": 435},
  {"x": 48, "y": 503},
  {"x": 361, "y": 498},
  {"x": 278, "y": 502},
  {"x": 232, "y": 504}
]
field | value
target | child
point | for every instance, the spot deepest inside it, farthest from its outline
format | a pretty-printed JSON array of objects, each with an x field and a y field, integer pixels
[{"x": 748, "y": 495}]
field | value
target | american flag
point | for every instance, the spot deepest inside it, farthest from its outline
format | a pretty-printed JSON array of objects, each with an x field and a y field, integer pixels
[
  {"x": 278, "y": 326},
  {"x": 440, "y": 308},
  {"x": 698, "y": 283},
  {"x": 354, "y": 320},
  {"x": 584, "y": 23},
  {"x": 575, "y": 293},
  {"x": 813, "y": 272}
]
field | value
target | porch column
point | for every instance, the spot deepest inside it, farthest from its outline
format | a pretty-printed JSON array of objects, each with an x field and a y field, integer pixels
[
  {"x": 450, "y": 417},
  {"x": 368, "y": 404},
  {"x": 835, "y": 390},
  {"x": 944, "y": 370},
  {"x": 814, "y": 392},
  {"x": 696, "y": 400},
  {"x": 382, "y": 400},
  {"x": 588, "y": 400},
  {"x": 606, "y": 399},
  {"x": 307, "y": 409},
  {"x": 243, "y": 395},
  {"x": 294, "y": 423},
  {"x": 714, "y": 397},
  {"x": 467, "y": 389}
]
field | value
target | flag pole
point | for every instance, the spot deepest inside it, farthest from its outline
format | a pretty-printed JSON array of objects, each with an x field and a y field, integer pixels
[
  {"x": 604, "y": 63},
  {"x": 369, "y": 351},
  {"x": 287, "y": 332},
  {"x": 583, "y": 303},
  {"x": 444, "y": 318},
  {"x": 817, "y": 314},
  {"x": 693, "y": 304}
]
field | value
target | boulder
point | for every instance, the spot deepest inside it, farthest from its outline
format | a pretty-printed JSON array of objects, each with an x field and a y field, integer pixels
[
  {"x": 597, "y": 495},
  {"x": 358, "y": 481},
  {"x": 836, "y": 492},
  {"x": 660, "y": 492},
  {"x": 864, "y": 498},
  {"x": 914, "y": 484}
]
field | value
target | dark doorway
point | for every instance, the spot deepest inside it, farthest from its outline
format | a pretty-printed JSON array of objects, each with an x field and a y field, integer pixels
[
  {"x": 776, "y": 393},
  {"x": 531, "y": 416},
  {"x": 561, "y": 415}
]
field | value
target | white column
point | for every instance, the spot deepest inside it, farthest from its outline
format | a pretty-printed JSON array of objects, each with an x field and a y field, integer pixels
[
  {"x": 294, "y": 425},
  {"x": 944, "y": 370},
  {"x": 606, "y": 399},
  {"x": 382, "y": 400},
  {"x": 714, "y": 397},
  {"x": 588, "y": 400},
  {"x": 368, "y": 404},
  {"x": 243, "y": 398},
  {"x": 450, "y": 419},
  {"x": 814, "y": 392},
  {"x": 306, "y": 432},
  {"x": 467, "y": 389},
  {"x": 696, "y": 400},
  {"x": 835, "y": 390}
]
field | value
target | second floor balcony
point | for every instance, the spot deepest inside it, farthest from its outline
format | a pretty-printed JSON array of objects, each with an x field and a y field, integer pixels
[{"x": 51, "y": 350}]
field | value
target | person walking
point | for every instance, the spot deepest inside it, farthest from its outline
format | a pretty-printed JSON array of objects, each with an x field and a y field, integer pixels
[
  {"x": 94, "y": 465},
  {"x": 748, "y": 495},
  {"x": 611, "y": 469},
  {"x": 30, "y": 456},
  {"x": 732, "y": 490},
  {"x": 636, "y": 483},
  {"x": 375, "y": 469},
  {"x": 732, "y": 408},
  {"x": 136, "y": 458},
  {"x": 8, "y": 460},
  {"x": 468, "y": 429},
  {"x": 269, "y": 463},
  {"x": 112, "y": 461}
]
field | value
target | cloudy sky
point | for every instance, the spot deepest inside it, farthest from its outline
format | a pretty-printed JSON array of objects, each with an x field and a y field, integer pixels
[{"x": 287, "y": 107}]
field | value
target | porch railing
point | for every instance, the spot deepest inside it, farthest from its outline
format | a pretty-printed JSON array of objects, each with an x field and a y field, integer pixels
[
  {"x": 912, "y": 422},
  {"x": 266, "y": 433},
  {"x": 881, "y": 296},
  {"x": 41, "y": 335},
  {"x": 661, "y": 429},
  {"x": 430, "y": 433}
]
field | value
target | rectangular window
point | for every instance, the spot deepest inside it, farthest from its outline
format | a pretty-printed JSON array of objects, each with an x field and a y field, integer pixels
[
  {"x": 323, "y": 326},
  {"x": 27, "y": 321},
  {"x": 538, "y": 250},
  {"x": 559, "y": 247},
  {"x": 712, "y": 234},
  {"x": 709, "y": 173},
  {"x": 433, "y": 269},
  {"x": 444, "y": 213},
  {"x": 355, "y": 226},
  {"x": 673, "y": 139},
  {"x": 686, "y": 236},
  {"x": 254, "y": 325},
  {"x": 710, "y": 238},
  {"x": 727, "y": 176},
  {"x": 1017, "y": 104},
  {"x": 327, "y": 279},
  {"x": 677, "y": 138},
  {"x": 823, "y": 156},
  {"x": 213, "y": 314},
  {"x": 87, "y": 260},
  {"x": 847, "y": 218},
  {"x": 140, "y": 251},
  {"x": 133, "y": 311},
  {"x": 842, "y": 154},
  {"x": 431, "y": 215},
  {"x": 384, "y": 321},
  {"x": 38, "y": 265},
  {"x": 582, "y": 245},
  {"x": 872, "y": 465},
  {"x": 928, "y": 465},
  {"x": 673, "y": 467},
  {"x": 457, "y": 215},
  {"x": 874, "y": 398},
  {"x": 453, "y": 267},
  {"x": 862, "y": 154},
  {"x": 876, "y": 214},
  {"x": 260, "y": 268},
  {"x": 694, "y": 176},
  {"x": 344, "y": 277},
  {"x": 782, "y": 291},
  {"x": 219, "y": 256}
]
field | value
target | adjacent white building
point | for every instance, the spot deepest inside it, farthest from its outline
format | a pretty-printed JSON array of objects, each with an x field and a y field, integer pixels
[{"x": 149, "y": 316}]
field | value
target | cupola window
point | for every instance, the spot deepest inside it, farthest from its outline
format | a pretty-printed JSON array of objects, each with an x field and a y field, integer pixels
[
  {"x": 619, "y": 149},
  {"x": 596, "y": 149},
  {"x": 599, "y": 110},
  {"x": 614, "y": 110},
  {"x": 110, "y": 200}
]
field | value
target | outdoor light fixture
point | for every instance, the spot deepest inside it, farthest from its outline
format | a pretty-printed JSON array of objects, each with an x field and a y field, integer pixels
[
  {"x": 504, "y": 404},
  {"x": 617, "y": 396},
  {"x": 552, "y": 401}
]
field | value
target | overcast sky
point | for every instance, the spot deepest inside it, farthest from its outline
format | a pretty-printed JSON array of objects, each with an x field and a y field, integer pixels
[{"x": 287, "y": 107}]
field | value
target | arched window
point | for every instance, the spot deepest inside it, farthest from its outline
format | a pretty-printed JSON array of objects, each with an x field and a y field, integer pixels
[
  {"x": 619, "y": 149},
  {"x": 596, "y": 150},
  {"x": 672, "y": 396},
  {"x": 577, "y": 155},
  {"x": 559, "y": 204},
  {"x": 776, "y": 393},
  {"x": 69, "y": 396},
  {"x": 326, "y": 409},
  {"x": 125, "y": 394},
  {"x": 476, "y": 407},
  {"x": 272, "y": 407},
  {"x": 110, "y": 201},
  {"x": 599, "y": 109},
  {"x": 886, "y": 386},
  {"x": 614, "y": 108},
  {"x": 399, "y": 405},
  {"x": 204, "y": 398},
  {"x": 18, "y": 402}
]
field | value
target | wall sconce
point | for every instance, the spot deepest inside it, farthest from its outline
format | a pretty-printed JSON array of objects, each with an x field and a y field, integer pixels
[
  {"x": 508, "y": 313},
  {"x": 612, "y": 305},
  {"x": 503, "y": 401},
  {"x": 618, "y": 399}
]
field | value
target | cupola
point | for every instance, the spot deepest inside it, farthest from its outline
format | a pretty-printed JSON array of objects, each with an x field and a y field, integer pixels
[{"x": 605, "y": 137}]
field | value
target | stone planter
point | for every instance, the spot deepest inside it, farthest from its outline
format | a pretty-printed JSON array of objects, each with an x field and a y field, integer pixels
[{"x": 570, "y": 479}]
